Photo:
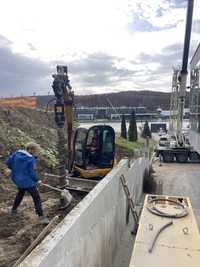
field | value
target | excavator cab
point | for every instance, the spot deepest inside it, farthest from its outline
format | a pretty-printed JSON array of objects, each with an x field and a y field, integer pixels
[{"x": 94, "y": 151}]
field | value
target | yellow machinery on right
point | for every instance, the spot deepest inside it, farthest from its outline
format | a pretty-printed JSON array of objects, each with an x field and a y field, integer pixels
[{"x": 168, "y": 234}]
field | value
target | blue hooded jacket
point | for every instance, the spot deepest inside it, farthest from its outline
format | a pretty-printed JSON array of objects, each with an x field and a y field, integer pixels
[{"x": 22, "y": 165}]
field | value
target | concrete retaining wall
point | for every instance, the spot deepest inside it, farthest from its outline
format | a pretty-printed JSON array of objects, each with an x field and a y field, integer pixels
[{"x": 90, "y": 234}]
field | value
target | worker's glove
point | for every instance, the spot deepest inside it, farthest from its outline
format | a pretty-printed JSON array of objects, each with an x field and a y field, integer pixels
[{"x": 39, "y": 182}]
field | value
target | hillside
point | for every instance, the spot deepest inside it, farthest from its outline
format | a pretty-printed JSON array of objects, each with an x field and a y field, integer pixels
[
  {"x": 17, "y": 127},
  {"x": 150, "y": 99}
]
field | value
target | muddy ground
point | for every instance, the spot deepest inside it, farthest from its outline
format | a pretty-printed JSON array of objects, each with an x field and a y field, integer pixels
[
  {"x": 17, "y": 127},
  {"x": 18, "y": 232}
]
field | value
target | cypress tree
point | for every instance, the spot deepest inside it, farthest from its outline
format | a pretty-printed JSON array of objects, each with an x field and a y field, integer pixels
[
  {"x": 132, "y": 130},
  {"x": 123, "y": 127},
  {"x": 146, "y": 130}
]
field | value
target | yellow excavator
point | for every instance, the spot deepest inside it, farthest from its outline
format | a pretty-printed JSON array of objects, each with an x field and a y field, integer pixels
[{"x": 90, "y": 151}]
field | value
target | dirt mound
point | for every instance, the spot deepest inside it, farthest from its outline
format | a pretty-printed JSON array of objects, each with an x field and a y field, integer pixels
[
  {"x": 17, "y": 127},
  {"x": 17, "y": 232}
]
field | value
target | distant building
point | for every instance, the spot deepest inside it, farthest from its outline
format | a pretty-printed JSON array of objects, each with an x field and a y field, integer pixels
[
  {"x": 113, "y": 113},
  {"x": 165, "y": 114}
]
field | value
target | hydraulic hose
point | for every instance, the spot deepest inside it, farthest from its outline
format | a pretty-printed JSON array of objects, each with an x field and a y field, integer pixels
[
  {"x": 158, "y": 233},
  {"x": 151, "y": 206}
]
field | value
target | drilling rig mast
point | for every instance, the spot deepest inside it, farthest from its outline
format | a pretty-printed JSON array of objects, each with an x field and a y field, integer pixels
[{"x": 178, "y": 147}]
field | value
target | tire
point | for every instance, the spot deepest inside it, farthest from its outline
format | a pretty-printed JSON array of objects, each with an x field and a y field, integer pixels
[
  {"x": 194, "y": 157},
  {"x": 167, "y": 156},
  {"x": 182, "y": 157}
]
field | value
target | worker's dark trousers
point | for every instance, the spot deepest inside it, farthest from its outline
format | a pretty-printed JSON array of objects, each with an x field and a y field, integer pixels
[{"x": 36, "y": 199}]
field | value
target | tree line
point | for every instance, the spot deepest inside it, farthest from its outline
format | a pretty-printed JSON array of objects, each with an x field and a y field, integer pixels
[{"x": 132, "y": 134}]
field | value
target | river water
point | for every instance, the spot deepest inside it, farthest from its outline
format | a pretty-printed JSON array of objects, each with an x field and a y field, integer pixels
[{"x": 117, "y": 125}]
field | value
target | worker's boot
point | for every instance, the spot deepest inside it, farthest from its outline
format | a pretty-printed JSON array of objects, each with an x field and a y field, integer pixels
[
  {"x": 43, "y": 220},
  {"x": 13, "y": 212}
]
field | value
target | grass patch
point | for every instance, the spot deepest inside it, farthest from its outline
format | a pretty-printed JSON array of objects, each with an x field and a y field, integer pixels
[{"x": 128, "y": 145}]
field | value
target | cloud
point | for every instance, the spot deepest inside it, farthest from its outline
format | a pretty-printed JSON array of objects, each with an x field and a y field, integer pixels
[
  {"x": 96, "y": 72},
  {"x": 130, "y": 46},
  {"x": 160, "y": 12},
  {"x": 4, "y": 42},
  {"x": 158, "y": 67},
  {"x": 147, "y": 71},
  {"x": 169, "y": 55},
  {"x": 154, "y": 16},
  {"x": 20, "y": 74},
  {"x": 99, "y": 69},
  {"x": 178, "y": 3},
  {"x": 139, "y": 24},
  {"x": 173, "y": 48},
  {"x": 32, "y": 47},
  {"x": 143, "y": 25}
]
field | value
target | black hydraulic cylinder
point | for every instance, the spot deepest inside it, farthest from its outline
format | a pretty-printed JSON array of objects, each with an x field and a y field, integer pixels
[{"x": 187, "y": 36}]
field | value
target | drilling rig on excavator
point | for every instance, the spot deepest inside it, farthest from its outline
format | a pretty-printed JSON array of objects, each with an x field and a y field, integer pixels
[{"x": 87, "y": 153}]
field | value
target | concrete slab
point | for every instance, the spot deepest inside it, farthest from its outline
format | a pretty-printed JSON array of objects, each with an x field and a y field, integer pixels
[
  {"x": 174, "y": 247},
  {"x": 180, "y": 180}
]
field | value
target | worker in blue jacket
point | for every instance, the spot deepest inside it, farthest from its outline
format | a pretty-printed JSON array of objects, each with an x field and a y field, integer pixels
[{"x": 22, "y": 165}]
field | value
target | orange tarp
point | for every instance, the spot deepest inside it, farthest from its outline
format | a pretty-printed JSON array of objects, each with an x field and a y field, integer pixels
[{"x": 19, "y": 102}]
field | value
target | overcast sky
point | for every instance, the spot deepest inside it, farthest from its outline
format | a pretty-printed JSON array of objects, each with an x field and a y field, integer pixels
[{"x": 108, "y": 45}]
